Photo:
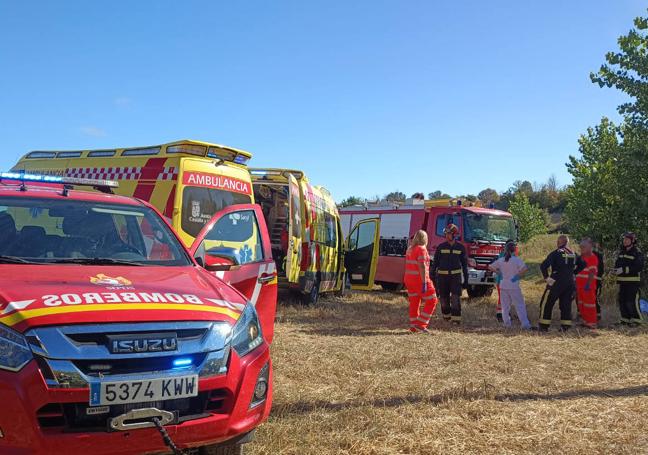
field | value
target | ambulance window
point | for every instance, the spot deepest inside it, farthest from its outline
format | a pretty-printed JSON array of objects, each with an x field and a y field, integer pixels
[
  {"x": 362, "y": 235},
  {"x": 326, "y": 230},
  {"x": 295, "y": 210},
  {"x": 235, "y": 235},
  {"x": 199, "y": 205}
]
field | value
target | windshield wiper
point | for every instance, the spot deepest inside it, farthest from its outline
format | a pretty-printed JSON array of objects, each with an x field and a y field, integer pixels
[
  {"x": 95, "y": 261},
  {"x": 15, "y": 260}
]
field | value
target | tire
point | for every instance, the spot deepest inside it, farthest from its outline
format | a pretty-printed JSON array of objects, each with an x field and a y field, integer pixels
[
  {"x": 475, "y": 292},
  {"x": 312, "y": 297},
  {"x": 391, "y": 287},
  {"x": 222, "y": 450}
]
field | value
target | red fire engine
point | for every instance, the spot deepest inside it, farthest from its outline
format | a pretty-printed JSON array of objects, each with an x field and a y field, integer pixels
[{"x": 483, "y": 231}]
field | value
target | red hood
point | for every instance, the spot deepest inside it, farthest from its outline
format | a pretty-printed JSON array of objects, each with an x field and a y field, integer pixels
[{"x": 37, "y": 295}]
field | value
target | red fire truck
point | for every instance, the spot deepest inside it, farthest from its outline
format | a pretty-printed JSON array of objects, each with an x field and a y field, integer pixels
[{"x": 483, "y": 231}]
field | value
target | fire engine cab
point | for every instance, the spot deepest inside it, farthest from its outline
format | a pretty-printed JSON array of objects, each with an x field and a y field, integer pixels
[
  {"x": 117, "y": 339},
  {"x": 483, "y": 231}
]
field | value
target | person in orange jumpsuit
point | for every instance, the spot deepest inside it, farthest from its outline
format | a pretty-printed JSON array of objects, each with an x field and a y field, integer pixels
[
  {"x": 586, "y": 284},
  {"x": 418, "y": 283}
]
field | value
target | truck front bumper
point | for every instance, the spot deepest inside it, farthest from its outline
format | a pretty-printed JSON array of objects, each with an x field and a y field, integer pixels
[
  {"x": 38, "y": 420},
  {"x": 478, "y": 277}
]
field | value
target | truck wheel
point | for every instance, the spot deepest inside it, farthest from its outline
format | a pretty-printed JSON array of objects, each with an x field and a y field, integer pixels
[
  {"x": 313, "y": 296},
  {"x": 479, "y": 291},
  {"x": 222, "y": 450},
  {"x": 391, "y": 287}
]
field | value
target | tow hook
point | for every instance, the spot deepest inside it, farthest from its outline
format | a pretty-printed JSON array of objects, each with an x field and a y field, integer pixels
[
  {"x": 141, "y": 418},
  {"x": 147, "y": 418}
]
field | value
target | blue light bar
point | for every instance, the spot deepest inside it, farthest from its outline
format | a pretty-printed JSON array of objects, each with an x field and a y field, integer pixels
[
  {"x": 258, "y": 172},
  {"x": 31, "y": 177},
  {"x": 24, "y": 177},
  {"x": 182, "y": 362}
]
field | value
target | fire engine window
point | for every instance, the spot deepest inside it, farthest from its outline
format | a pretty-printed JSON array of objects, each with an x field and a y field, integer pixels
[
  {"x": 393, "y": 247},
  {"x": 235, "y": 237},
  {"x": 199, "y": 205}
]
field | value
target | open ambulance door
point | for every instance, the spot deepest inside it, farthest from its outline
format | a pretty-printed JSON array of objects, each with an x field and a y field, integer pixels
[
  {"x": 235, "y": 246},
  {"x": 361, "y": 257},
  {"x": 293, "y": 255}
]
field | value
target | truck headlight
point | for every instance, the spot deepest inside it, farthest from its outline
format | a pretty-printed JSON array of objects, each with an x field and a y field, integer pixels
[
  {"x": 14, "y": 350},
  {"x": 246, "y": 335}
]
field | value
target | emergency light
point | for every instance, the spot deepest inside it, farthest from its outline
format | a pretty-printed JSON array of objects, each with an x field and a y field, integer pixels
[
  {"x": 43, "y": 178},
  {"x": 182, "y": 362}
]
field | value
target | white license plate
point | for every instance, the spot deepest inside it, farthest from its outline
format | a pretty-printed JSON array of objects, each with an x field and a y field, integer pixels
[{"x": 143, "y": 390}]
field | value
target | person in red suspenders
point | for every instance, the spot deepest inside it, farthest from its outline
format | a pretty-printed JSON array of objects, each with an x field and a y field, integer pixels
[
  {"x": 586, "y": 285},
  {"x": 418, "y": 283}
]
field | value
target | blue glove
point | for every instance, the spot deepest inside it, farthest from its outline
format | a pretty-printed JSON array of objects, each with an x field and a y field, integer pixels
[
  {"x": 424, "y": 288},
  {"x": 587, "y": 287},
  {"x": 515, "y": 278}
]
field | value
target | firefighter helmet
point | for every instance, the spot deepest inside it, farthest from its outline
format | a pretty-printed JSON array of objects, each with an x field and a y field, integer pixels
[
  {"x": 632, "y": 236},
  {"x": 451, "y": 229}
]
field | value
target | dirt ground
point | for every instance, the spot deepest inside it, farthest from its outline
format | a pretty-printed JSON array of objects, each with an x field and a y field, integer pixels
[{"x": 349, "y": 379}]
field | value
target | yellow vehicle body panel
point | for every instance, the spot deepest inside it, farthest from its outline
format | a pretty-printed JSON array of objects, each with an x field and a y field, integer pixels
[
  {"x": 162, "y": 175},
  {"x": 318, "y": 257}
]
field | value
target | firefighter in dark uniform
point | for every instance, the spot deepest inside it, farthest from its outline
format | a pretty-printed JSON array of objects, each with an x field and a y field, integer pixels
[
  {"x": 561, "y": 287},
  {"x": 448, "y": 266},
  {"x": 627, "y": 268},
  {"x": 598, "y": 251}
]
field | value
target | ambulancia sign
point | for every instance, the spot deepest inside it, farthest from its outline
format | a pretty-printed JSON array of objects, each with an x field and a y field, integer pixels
[{"x": 219, "y": 182}]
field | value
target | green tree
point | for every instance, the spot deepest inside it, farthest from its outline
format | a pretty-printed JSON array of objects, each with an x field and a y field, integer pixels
[
  {"x": 610, "y": 176},
  {"x": 531, "y": 219},
  {"x": 627, "y": 70},
  {"x": 395, "y": 196},
  {"x": 351, "y": 200},
  {"x": 488, "y": 195},
  {"x": 438, "y": 195}
]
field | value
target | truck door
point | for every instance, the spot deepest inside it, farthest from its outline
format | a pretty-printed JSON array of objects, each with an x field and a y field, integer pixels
[
  {"x": 293, "y": 255},
  {"x": 362, "y": 254},
  {"x": 236, "y": 246}
]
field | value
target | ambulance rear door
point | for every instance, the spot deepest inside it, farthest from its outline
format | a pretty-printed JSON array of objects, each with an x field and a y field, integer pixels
[
  {"x": 235, "y": 246},
  {"x": 293, "y": 255},
  {"x": 361, "y": 256}
]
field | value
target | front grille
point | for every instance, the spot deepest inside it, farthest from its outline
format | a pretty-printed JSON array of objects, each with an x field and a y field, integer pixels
[
  {"x": 101, "y": 338},
  {"x": 132, "y": 365},
  {"x": 484, "y": 260},
  {"x": 73, "y": 417}
]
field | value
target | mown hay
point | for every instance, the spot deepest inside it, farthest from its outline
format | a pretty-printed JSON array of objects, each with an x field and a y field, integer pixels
[{"x": 350, "y": 380}]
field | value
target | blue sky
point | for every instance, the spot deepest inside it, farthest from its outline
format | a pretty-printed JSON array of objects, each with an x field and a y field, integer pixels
[{"x": 367, "y": 96}]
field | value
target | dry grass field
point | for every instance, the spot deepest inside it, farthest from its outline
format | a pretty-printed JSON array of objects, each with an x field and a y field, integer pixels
[{"x": 349, "y": 379}]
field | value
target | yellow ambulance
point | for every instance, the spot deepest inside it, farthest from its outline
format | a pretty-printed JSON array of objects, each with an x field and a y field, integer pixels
[
  {"x": 188, "y": 181},
  {"x": 305, "y": 231}
]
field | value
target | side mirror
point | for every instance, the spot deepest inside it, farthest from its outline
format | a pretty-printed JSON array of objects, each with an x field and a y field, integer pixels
[{"x": 222, "y": 259}]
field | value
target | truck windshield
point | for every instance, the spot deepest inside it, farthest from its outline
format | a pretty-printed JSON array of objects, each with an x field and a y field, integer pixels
[
  {"x": 489, "y": 228},
  {"x": 67, "y": 231}
]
